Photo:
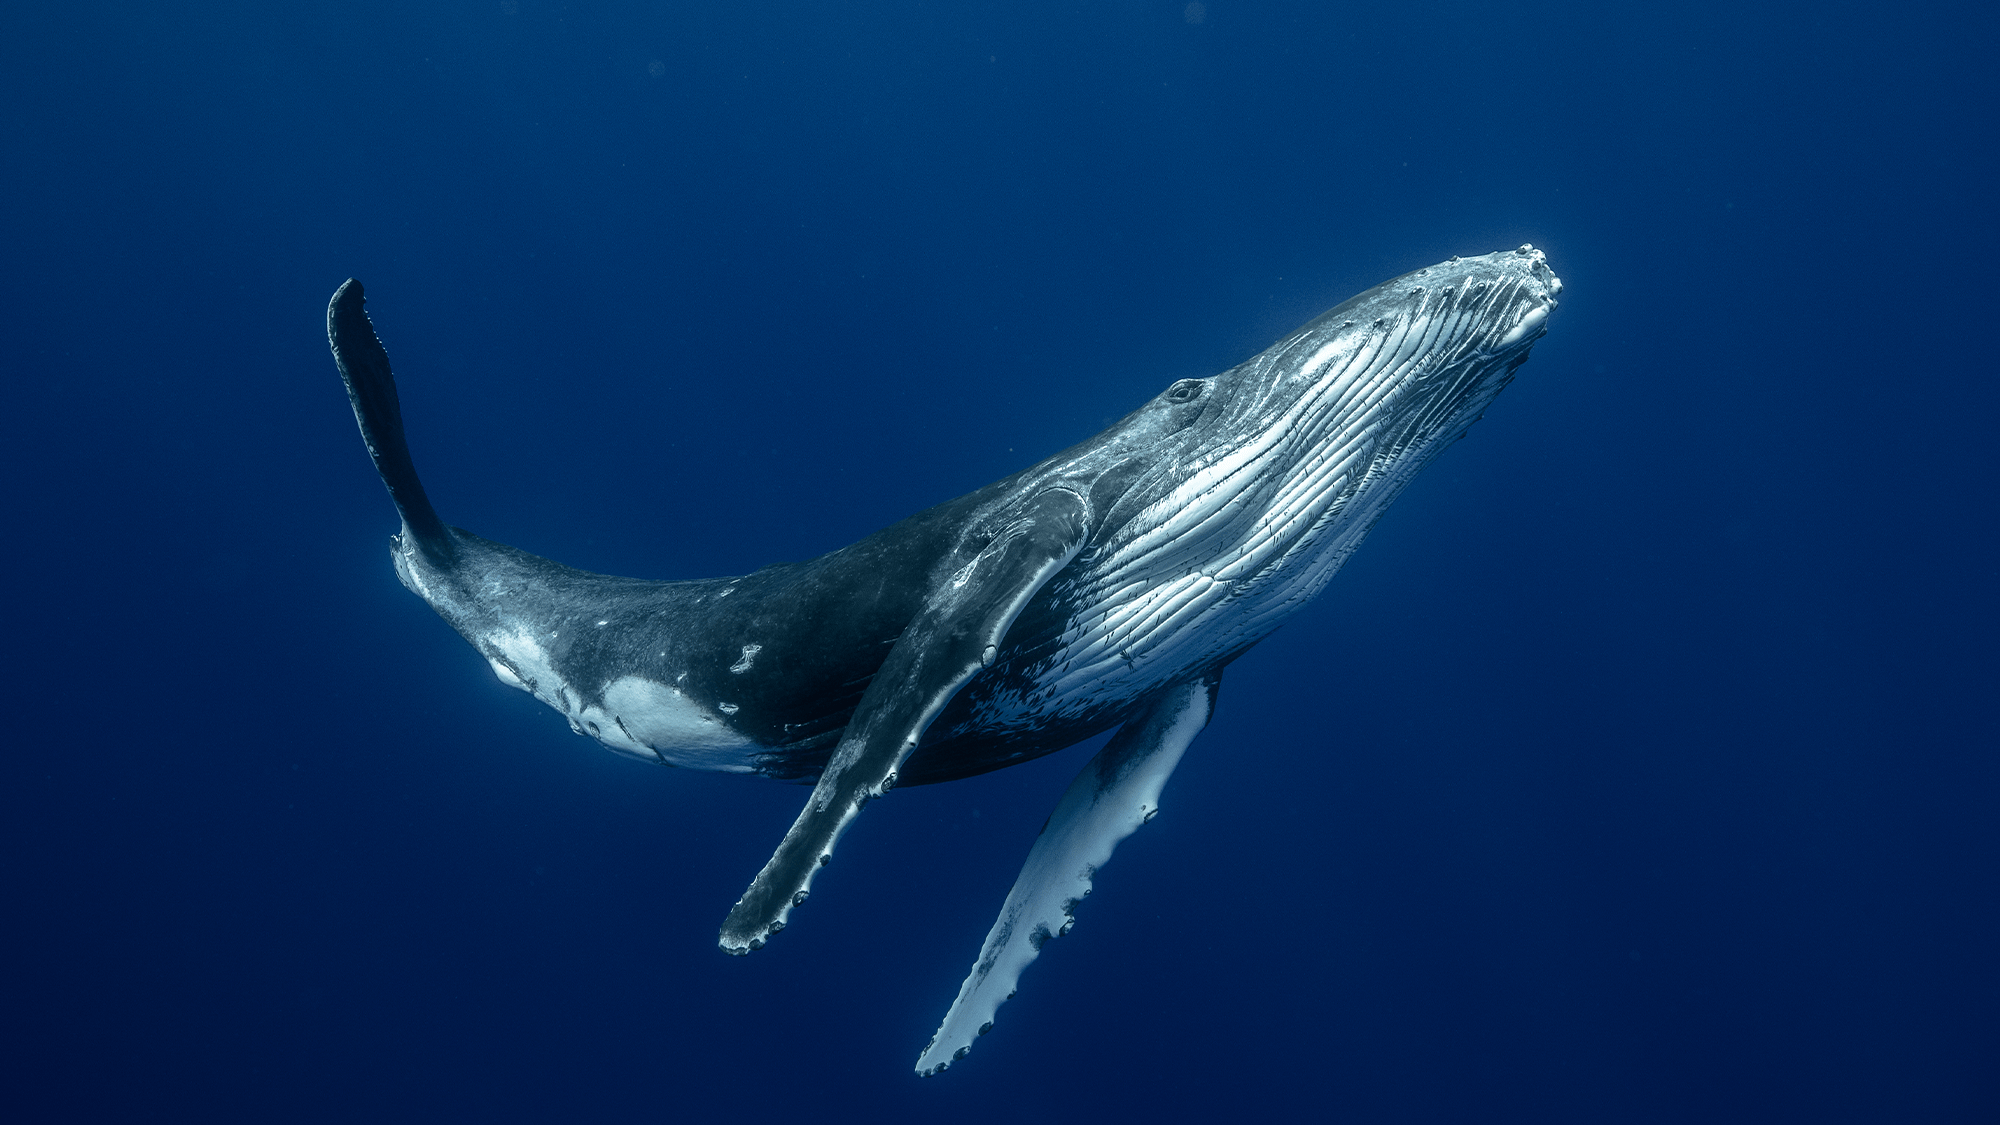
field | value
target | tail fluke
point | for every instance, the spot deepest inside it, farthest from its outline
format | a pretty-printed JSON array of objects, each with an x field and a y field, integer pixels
[{"x": 371, "y": 388}]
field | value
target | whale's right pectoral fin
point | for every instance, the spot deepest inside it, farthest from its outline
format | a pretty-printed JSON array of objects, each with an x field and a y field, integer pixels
[
  {"x": 1118, "y": 791},
  {"x": 956, "y": 634}
]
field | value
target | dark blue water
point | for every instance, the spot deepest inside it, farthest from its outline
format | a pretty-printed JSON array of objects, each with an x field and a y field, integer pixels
[{"x": 1641, "y": 768}]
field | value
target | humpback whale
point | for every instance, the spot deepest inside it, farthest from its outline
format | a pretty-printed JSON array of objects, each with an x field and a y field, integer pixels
[{"x": 1107, "y": 586}]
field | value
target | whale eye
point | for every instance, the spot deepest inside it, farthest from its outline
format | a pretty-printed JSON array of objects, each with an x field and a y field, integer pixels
[{"x": 1187, "y": 390}]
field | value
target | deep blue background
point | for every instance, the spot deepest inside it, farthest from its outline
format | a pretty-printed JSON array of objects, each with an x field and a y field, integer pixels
[{"x": 1640, "y": 769}]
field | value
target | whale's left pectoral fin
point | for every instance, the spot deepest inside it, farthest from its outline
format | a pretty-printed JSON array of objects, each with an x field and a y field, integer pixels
[
  {"x": 1117, "y": 791},
  {"x": 957, "y": 633}
]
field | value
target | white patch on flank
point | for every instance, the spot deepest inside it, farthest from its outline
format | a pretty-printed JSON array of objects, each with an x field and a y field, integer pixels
[
  {"x": 749, "y": 657},
  {"x": 649, "y": 718},
  {"x": 638, "y": 717},
  {"x": 519, "y": 661}
]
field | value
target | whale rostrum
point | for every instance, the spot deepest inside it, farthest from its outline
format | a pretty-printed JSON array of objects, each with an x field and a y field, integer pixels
[{"x": 1107, "y": 586}]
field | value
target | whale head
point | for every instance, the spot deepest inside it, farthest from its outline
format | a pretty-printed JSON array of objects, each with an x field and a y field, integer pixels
[
  {"x": 1389, "y": 372},
  {"x": 1267, "y": 476}
]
